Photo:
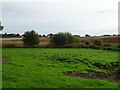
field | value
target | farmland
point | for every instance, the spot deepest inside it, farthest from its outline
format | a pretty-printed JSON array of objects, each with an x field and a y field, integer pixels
[
  {"x": 60, "y": 44},
  {"x": 56, "y": 68},
  {"x": 105, "y": 39}
]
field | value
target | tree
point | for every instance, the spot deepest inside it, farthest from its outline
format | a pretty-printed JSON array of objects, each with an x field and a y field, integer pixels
[
  {"x": 30, "y": 38},
  {"x": 43, "y": 36},
  {"x": 63, "y": 38},
  {"x": 40, "y": 35},
  {"x": 1, "y": 27},
  {"x": 87, "y": 35},
  {"x": 77, "y": 35},
  {"x": 17, "y": 35},
  {"x": 50, "y": 35}
]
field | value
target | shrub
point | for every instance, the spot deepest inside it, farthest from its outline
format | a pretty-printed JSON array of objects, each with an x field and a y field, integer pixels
[
  {"x": 107, "y": 45},
  {"x": 97, "y": 42},
  {"x": 11, "y": 45},
  {"x": 63, "y": 39},
  {"x": 30, "y": 38},
  {"x": 95, "y": 46},
  {"x": 118, "y": 46}
]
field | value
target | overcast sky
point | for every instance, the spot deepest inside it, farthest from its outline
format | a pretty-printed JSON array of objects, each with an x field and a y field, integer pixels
[{"x": 94, "y": 17}]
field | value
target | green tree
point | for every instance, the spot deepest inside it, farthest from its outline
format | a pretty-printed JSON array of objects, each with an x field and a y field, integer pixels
[
  {"x": 50, "y": 35},
  {"x": 30, "y": 38},
  {"x": 63, "y": 38}
]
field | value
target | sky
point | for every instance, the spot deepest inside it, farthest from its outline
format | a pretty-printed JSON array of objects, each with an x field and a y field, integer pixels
[{"x": 80, "y": 17}]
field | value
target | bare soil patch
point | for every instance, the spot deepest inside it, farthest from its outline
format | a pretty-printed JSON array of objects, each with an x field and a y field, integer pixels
[
  {"x": 94, "y": 75},
  {"x": 5, "y": 61}
]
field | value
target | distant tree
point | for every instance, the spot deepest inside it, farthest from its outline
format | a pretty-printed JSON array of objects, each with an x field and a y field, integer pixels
[
  {"x": 40, "y": 35},
  {"x": 77, "y": 35},
  {"x": 63, "y": 38},
  {"x": 30, "y": 38},
  {"x": 5, "y": 35},
  {"x": 87, "y": 35},
  {"x": 44, "y": 36},
  {"x": 50, "y": 35},
  {"x": 114, "y": 35},
  {"x": 106, "y": 35},
  {"x": 17, "y": 35}
]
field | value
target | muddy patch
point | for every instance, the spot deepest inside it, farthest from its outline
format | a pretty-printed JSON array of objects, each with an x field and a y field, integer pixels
[
  {"x": 111, "y": 67},
  {"x": 94, "y": 75},
  {"x": 5, "y": 61}
]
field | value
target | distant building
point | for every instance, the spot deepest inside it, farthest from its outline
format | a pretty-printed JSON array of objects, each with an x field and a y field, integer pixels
[{"x": 1, "y": 27}]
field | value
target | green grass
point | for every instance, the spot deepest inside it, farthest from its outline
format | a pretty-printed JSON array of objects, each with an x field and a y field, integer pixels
[{"x": 44, "y": 68}]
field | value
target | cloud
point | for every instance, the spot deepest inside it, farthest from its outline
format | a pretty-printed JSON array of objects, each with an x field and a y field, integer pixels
[
  {"x": 108, "y": 11},
  {"x": 55, "y": 16}
]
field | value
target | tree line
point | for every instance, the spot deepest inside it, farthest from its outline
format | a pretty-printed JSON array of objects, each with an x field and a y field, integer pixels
[
  {"x": 31, "y": 38},
  {"x": 12, "y": 35}
]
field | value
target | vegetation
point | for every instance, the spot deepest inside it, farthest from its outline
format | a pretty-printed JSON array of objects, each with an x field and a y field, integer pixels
[
  {"x": 50, "y": 35},
  {"x": 63, "y": 38},
  {"x": 87, "y": 35},
  {"x": 46, "y": 68},
  {"x": 117, "y": 71},
  {"x": 45, "y": 43},
  {"x": 31, "y": 38},
  {"x": 11, "y": 35},
  {"x": 60, "y": 68},
  {"x": 97, "y": 42}
]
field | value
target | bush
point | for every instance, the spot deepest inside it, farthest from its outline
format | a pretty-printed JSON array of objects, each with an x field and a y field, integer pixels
[
  {"x": 11, "y": 45},
  {"x": 30, "y": 38},
  {"x": 97, "y": 42},
  {"x": 63, "y": 39},
  {"x": 107, "y": 45}
]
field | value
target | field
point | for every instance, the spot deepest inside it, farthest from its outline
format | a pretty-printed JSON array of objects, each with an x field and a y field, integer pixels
[
  {"x": 58, "y": 68},
  {"x": 43, "y": 41},
  {"x": 104, "y": 39},
  {"x": 108, "y": 42}
]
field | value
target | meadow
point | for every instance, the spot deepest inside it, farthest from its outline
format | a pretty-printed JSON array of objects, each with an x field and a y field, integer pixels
[{"x": 59, "y": 68}]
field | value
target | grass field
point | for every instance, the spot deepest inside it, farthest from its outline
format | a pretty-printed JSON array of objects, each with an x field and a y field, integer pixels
[{"x": 45, "y": 68}]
